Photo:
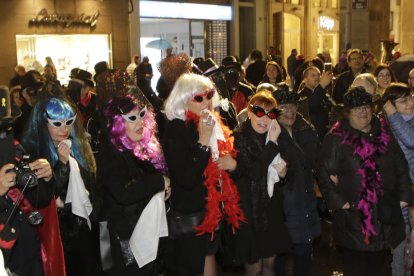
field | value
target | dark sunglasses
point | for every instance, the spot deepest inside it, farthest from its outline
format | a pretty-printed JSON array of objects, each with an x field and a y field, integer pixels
[
  {"x": 136, "y": 116},
  {"x": 260, "y": 112},
  {"x": 60, "y": 123},
  {"x": 200, "y": 97}
]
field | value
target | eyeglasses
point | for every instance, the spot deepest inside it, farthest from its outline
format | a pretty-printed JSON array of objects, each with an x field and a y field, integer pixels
[
  {"x": 384, "y": 76},
  {"x": 260, "y": 112},
  {"x": 200, "y": 97},
  {"x": 360, "y": 109},
  {"x": 61, "y": 123},
  {"x": 139, "y": 115}
]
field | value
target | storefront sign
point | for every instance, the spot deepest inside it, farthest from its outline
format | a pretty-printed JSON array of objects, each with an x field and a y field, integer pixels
[
  {"x": 66, "y": 20},
  {"x": 326, "y": 23},
  {"x": 359, "y": 4}
]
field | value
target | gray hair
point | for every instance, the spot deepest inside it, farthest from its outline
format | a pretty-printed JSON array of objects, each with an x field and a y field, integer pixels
[
  {"x": 184, "y": 88},
  {"x": 369, "y": 78}
]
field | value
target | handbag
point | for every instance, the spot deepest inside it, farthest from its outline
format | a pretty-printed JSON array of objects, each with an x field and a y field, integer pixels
[
  {"x": 127, "y": 255},
  {"x": 183, "y": 224}
]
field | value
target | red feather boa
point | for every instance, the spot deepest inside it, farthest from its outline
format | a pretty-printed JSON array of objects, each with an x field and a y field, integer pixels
[{"x": 229, "y": 197}]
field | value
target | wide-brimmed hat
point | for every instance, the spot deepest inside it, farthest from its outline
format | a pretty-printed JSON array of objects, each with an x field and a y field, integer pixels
[
  {"x": 82, "y": 75},
  {"x": 231, "y": 62},
  {"x": 209, "y": 67},
  {"x": 357, "y": 96},
  {"x": 8, "y": 111}
]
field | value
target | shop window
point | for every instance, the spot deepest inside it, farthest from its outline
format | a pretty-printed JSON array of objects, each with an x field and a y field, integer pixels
[
  {"x": 217, "y": 40},
  {"x": 67, "y": 52}
]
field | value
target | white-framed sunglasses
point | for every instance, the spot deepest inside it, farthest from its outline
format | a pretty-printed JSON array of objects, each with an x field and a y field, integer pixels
[
  {"x": 135, "y": 116},
  {"x": 60, "y": 123}
]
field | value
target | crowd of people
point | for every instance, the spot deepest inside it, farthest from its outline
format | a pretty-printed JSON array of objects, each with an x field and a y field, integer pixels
[{"x": 221, "y": 166}]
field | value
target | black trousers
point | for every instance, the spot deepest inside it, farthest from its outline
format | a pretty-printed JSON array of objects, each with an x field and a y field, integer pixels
[{"x": 359, "y": 263}]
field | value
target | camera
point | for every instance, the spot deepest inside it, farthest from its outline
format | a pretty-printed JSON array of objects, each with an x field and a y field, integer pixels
[
  {"x": 24, "y": 174},
  {"x": 327, "y": 66}
]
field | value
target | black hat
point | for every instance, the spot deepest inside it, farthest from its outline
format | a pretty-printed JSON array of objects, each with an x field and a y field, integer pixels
[
  {"x": 82, "y": 75},
  {"x": 8, "y": 112},
  {"x": 357, "y": 96},
  {"x": 100, "y": 67},
  {"x": 231, "y": 62},
  {"x": 209, "y": 67},
  {"x": 284, "y": 95},
  {"x": 29, "y": 81}
]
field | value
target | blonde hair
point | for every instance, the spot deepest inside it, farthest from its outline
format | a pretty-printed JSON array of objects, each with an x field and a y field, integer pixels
[{"x": 185, "y": 87}]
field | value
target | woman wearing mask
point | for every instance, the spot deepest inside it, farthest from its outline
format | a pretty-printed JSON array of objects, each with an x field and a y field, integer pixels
[
  {"x": 199, "y": 153},
  {"x": 265, "y": 234},
  {"x": 131, "y": 171},
  {"x": 54, "y": 132}
]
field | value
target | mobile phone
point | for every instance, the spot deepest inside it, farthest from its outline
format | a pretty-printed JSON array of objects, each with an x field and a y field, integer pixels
[{"x": 327, "y": 66}]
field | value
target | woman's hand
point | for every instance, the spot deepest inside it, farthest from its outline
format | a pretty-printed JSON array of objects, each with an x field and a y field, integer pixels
[
  {"x": 389, "y": 108},
  {"x": 63, "y": 152},
  {"x": 281, "y": 168},
  {"x": 205, "y": 128},
  {"x": 274, "y": 132},
  {"x": 167, "y": 187},
  {"x": 42, "y": 169},
  {"x": 7, "y": 178},
  {"x": 227, "y": 162}
]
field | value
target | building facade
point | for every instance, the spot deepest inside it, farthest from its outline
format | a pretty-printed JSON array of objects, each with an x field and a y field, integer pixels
[{"x": 75, "y": 33}]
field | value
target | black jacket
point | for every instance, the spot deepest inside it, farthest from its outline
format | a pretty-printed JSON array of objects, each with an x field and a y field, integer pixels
[
  {"x": 338, "y": 159},
  {"x": 318, "y": 111},
  {"x": 299, "y": 200},
  {"x": 342, "y": 83},
  {"x": 128, "y": 184},
  {"x": 186, "y": 163}
]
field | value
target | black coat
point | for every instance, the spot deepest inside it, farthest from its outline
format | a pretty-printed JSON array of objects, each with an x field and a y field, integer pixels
[
  {"x": 318, "y": 111},
  {"x": 186, "y": 163},
  {"x": 128, "y": 184},
  {"x": 338, "y": 159},
  {"x": 342, "y": 83},
  {"x": 265, "y": 233},
  {"x": 299, "y": 200}
]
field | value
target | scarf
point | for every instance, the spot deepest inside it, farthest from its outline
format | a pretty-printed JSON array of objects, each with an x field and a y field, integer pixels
[
  {"x": 371, "y": 182},
  {"x": 222, "y": 196}
]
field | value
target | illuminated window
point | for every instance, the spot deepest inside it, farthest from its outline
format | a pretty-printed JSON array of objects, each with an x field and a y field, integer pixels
[
  {"x": 67, "y": 52},
  {"x": 334, "y": 4}
]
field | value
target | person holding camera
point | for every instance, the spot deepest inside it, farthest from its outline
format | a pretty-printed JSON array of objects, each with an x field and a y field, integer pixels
[
  {"x": 20, "y": 238},
  {"x": 314, "y": 90},
  {"x": 55, "y": 132}
]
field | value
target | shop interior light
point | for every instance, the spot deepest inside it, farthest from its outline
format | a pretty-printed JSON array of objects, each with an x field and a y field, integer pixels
[{"x": 184, "y": 10}]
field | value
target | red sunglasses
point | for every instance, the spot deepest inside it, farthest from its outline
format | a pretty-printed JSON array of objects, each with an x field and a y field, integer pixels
[
  {"x": 260, "y": 112},
  {"x": 200, "y": 97}
]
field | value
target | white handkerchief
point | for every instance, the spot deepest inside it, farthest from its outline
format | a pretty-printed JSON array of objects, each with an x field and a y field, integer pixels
[
  {"x": 151, "y": 225},
  {"x": 77, "y": 193},
  {"x": 272, "y": 176},
  {"x": 216, "y": 135}
]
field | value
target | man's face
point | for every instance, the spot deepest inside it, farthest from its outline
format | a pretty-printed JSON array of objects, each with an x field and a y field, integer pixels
[
  {"x": 356, "y": 62},
  {"x": 312, "y": 78},
  {"x": 411, "y": 79}
]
